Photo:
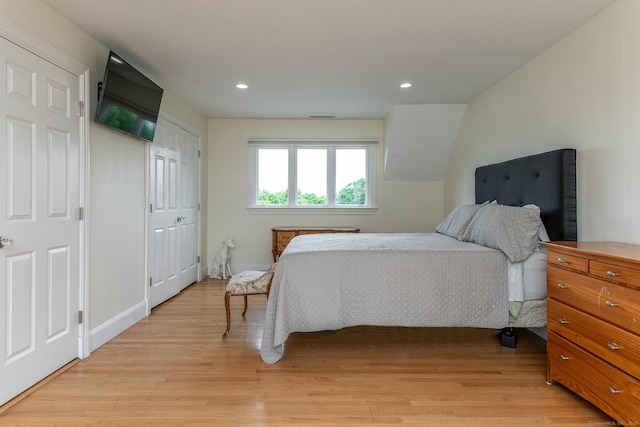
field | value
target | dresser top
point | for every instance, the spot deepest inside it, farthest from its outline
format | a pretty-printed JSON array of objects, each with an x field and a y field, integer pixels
[
  {"x": 623, "y": 251},
  {"x": 315, "y": 228}
]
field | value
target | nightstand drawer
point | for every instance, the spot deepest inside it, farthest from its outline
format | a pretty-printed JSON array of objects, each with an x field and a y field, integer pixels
[
  {"x": 608, "y": 388},
  {"x": 614, "y": 272},
  {"x": 615, "y": 303},
  {"x": 614, "y": 345},
  {"x": 568, "y": 261}
]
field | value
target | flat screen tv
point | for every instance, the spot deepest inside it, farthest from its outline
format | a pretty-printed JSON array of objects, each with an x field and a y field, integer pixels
[{"x": 127, "y": 100}]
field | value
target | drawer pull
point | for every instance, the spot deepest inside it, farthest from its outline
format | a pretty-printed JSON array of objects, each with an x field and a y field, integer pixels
[
  {"x": 562, "y": 260},
  {"x": 612, "y": 273},
  {"x": 613, "y": 346},
  {"x": 564, "y": 357},
  {"x": 562, "y": 286},
  {"x": 613, "y": 390},
  {"x": 612, "y": 303},
  {"x": 563, "y": 321}
]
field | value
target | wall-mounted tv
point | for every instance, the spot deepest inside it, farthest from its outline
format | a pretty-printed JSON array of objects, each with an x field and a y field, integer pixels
[{"x": 127, "y": 100}]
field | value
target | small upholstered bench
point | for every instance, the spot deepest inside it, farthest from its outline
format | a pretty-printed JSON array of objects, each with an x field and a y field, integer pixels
[{"x": 249, "y": 282}]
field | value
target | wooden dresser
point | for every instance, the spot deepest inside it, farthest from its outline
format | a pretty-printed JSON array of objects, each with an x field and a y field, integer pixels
[
  {"x": 282, "y": 235},
  {"x": 593, "y": 340}
]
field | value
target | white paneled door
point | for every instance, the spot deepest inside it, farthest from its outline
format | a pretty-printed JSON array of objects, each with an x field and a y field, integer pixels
[
  {"x": 188, "y": 149},
  {"x": 39, "y": 219},
  {"x": 173, "y": 211}
]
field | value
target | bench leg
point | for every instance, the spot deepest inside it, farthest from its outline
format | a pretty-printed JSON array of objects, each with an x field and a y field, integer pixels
[
  {"x": 227, "y": 298},
  {"x": 245, "y": 305}
]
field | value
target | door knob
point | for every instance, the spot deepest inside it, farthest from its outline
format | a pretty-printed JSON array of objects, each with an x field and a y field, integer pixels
[
  {"x": 6, "y": 242},
  {"x": 181, "y": 218}
]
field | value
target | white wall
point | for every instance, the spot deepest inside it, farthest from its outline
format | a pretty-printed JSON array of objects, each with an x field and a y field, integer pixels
[
  {"x": 403, "y": 206},
  {"x": 116, "y": 171},
  {"x": 583, "y": 93}
]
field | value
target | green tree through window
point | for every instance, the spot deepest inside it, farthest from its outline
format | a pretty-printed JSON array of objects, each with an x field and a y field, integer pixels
[
  {"x": 310, "y": 199},
  {"x": 315, "y": 176},
  {"x": 353, "y": 193},
  {"x": 267, "y": 198}
]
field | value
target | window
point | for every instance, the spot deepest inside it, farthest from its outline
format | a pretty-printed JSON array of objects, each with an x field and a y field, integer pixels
[{"x": 312, "y": 176}]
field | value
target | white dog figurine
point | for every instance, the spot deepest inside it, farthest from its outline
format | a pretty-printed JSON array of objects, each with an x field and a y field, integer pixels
[{"x": 222, "y": 261}]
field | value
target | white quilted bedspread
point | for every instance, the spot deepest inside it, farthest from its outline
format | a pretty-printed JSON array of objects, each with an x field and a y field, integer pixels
[{"x": 333, "y": 281}]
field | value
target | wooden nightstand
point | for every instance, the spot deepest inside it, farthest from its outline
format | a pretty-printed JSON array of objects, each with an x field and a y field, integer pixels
[
  {"x": 593, "y": 323},
  {"x": 282, "y": 235}
]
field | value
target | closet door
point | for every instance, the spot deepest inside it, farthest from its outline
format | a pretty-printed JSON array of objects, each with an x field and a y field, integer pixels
[
  {"x": 173, "y": 211},
  {"x": 189, "y": 149},
  {"x": 164, "y": 244},
  {"x": 39, "y": 218}
]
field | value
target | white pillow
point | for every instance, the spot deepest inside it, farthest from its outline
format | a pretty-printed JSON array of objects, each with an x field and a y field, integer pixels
[
  {"x": 513, "y": 230},
  {"x": 458, "y": 220},
  {"x": 543, "y": 236}
]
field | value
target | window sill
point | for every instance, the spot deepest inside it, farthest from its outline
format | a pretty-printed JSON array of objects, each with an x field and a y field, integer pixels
[{"x": 311, "y": 211}]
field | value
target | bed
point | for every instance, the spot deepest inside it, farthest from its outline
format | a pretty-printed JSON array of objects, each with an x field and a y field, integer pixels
[{"x": 482, "y": 268}]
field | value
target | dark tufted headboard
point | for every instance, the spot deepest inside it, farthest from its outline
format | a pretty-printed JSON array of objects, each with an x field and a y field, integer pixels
[{"x": 547, "y": 180}]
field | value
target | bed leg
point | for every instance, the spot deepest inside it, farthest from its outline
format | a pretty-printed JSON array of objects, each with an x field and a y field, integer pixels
[{"x": 508, "y": 338}]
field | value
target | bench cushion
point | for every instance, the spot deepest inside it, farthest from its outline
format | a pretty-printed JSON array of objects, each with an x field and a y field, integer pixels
[{"x": 249, "y": 282}]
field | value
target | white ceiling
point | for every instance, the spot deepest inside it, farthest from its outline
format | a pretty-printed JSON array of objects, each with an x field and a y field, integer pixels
[{"x": 342, "y": 58}]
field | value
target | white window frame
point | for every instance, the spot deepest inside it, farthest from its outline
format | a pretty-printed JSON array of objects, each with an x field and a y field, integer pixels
[{"x": 331, "y": 145}]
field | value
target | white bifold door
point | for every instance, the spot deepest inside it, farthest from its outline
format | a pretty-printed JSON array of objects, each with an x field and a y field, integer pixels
[
  {"x": 173, "y": 211},
  {"x": 39, "y": 219}
]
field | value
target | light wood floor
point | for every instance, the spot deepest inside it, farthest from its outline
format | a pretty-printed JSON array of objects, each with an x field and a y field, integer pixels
[{"x": 173, "y": 368}]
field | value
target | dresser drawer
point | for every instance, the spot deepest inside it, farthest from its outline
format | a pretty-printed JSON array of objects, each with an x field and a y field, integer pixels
[
  {"x": 615, "y": 303},
  {"x": 609, "y": 389},
  {"x": 615, "y": 272},
  {"x": 284, "y": 237},
  {"x": 568, "y": 261},
  {"x": 281, "y": 236},
  {"x": 614, "y": 345}
]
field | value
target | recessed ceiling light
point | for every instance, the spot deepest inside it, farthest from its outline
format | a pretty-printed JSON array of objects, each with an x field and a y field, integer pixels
[
  {"x": 406, "y": 85},
  {"x": 242, "y": 86}
]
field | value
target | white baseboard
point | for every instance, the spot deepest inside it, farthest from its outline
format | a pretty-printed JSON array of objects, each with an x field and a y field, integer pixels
[{"x": 115, "y": 326}]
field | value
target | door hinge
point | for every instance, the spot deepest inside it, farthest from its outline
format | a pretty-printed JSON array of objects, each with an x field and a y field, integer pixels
[
  {"x": 198, "y": 259},
  {"x": 198, "y": 206},
  {"x": 80, "y": 213},
  {"x": 150, "y": 207},
  {"x": 81, "y": 108},
  {"x": 150, "y": 281},
  {"x": 80, "y": 317},
  {"x": 198, "y": 153}
]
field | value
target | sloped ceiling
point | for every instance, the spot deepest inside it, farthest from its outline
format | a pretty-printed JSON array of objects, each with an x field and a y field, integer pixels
[{"x": 419, "y": 140}]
